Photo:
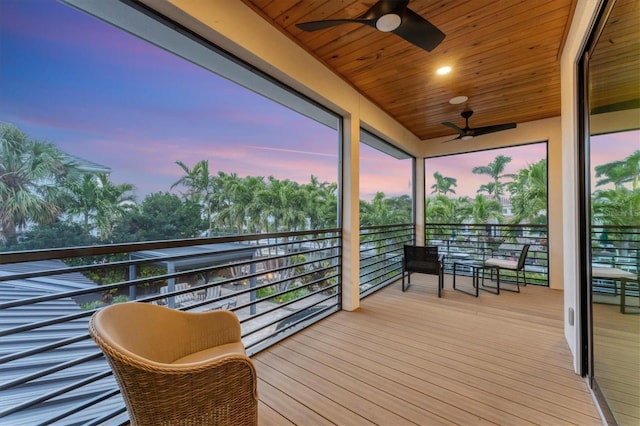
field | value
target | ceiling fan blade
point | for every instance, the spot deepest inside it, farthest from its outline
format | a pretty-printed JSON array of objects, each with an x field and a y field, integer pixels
[
  {"x": 321, "y": 25},
  {"x": 417, "y": 30},
  {"x": 454, "y": 127},
  {"x": 454, "y": 139},
  {"x": 368, "y": 18},
  {"x": 384, "y": 7},
  {"x": 492, "y": 129}
]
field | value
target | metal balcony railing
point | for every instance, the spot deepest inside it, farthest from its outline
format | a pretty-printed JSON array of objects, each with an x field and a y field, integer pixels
[
  {"x": 477, "y": 242},
  {"x": 51, "y": 371},
  {"x": 381, "y": 254},
  {"x": 615, "y": 247}
]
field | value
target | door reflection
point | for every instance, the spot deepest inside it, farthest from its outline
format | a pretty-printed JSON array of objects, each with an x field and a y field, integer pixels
[{"x": 614, "y": 105}]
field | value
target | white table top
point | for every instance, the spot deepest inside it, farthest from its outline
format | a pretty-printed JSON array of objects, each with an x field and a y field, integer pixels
[{"x": 615, "y": 273}]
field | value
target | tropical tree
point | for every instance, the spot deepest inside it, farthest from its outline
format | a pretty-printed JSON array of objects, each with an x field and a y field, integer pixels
[
  {"x": 448, "y": 210},
  {"x": 490, "y": 188},
  {"x": 620, "y": 172},
  {"x": 234, "y": 201},
  {"x": 617, "y": 207},
  {"x": 495, "y": 169},
  {"x": 199, "y": 186},
  {"x": 282, "y": 205},
  {"x": 32, "y": 177},
  {"x": 402, "y": 208},
  {"x": 529, "y": 194},
  {"x": 384, "y": 211},
  {"x": 484, "y": 209},
  {"x": 441, "y": 212},
  {"x": 321, "y": 204},
  {"x": 99, "y": 202},
  {"x": 245, "y": 209},
  {"x": 443, "y": 184},
  {"x": 55, "y": 235},
  {"x": 161, "y": 216}
]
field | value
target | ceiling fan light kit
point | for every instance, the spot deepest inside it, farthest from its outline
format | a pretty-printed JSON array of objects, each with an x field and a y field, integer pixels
[
  {"x": 389, "y": 16},
  {"x": 388, "y": 22},
  {"x": 457, "y": 100}
]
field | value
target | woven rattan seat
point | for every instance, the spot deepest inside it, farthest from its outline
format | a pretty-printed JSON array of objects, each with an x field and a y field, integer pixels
[{"x": 178, "y": 368}]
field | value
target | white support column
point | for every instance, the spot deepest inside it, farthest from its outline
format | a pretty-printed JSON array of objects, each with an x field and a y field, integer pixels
[
  {"x": 351, "y": 213},
  {"x": 419, "y": 194}
]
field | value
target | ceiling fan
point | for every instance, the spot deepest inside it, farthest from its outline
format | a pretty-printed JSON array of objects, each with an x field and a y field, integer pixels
[
  {"x": 390, "y": 16},
  {"x": 468, "y": 132}
]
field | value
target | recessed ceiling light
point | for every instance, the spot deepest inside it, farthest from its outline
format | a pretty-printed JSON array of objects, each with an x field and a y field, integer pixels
[
  {"x": 458, "y": 100},
  {"x": 444, "y": 70}
]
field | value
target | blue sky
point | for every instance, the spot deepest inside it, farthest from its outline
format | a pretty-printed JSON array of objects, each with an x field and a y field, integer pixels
[{"x": 104, "y": 95}]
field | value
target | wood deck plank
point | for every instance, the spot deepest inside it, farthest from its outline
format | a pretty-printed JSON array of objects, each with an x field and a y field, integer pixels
[
  {"x": 540, "y": 398},
  {"x": 412, "y": 358},
  {"x": 443, "y": 382},
  {"x": 377, "y": 388}
]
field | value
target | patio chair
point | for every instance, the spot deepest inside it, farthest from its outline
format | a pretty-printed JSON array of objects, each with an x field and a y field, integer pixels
[
  {"x": 512, "y": 265},
  {"x": 423, "y": 260},
  {"x": 178, "y": 368}
]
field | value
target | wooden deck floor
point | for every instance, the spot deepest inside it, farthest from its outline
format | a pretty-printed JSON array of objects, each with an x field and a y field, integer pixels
[{"x": 411, "y": 358}]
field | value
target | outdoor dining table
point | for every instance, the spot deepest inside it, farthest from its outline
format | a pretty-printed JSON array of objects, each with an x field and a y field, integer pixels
[{"x": 616, "y": 275}]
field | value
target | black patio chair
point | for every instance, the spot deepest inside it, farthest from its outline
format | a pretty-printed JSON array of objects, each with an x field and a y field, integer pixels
[
  {"x": 423, "y": 260},
  {"x": 512, "y": 265}
]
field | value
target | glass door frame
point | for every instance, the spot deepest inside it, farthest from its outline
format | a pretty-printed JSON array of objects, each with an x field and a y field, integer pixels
[{"x": 584, "y": 205}]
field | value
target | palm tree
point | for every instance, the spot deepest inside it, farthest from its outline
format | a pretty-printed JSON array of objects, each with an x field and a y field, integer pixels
[
  {"x": 322, "y": 204},
  {"x": 282, "y": 203},
  {"x": 448, "y": 210},
  {"x": 483, "y": 209},
  {"x": 32, "y": 177},
  {"x": 490, "y": 188},
  {"x": 199, "y": 186},
  {"x": 84, "y": 200},
  {"x": 97, "y": 199},
  {"x": 617, "y": 207},
  {"x": 495, "y": 170},
  {"x": 443, "y": 184},
  {"x": 245, "y": 200},
  {"x": 235, "y": 201},
  {"x": 529, "y": 194},
  {"x": 620, "y": 172},
  {"x": 376, "y": 212},
  {"x": 441, "y": 212}
]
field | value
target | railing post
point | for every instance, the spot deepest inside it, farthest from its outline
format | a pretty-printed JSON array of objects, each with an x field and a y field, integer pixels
[
  {"x": 133, "y": 274},
  {"x": 171, "y": 285},
  {"x": 252, "y": 284}
]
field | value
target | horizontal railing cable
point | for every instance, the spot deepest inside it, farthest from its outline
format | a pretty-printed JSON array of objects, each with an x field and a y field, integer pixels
[{"x": 268, "y": 280}]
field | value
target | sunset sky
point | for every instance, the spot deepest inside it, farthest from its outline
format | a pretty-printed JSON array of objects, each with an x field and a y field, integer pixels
[{"x": 101, "y": 94}]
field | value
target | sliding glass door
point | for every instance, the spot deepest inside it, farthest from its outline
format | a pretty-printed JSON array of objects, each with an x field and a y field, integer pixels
[{"x": 611, "y": 207}]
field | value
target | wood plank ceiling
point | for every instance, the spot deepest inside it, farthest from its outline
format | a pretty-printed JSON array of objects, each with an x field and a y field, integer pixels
[
  {"x": 505, "y": 57},
  {"x": 614, "y": 70}
]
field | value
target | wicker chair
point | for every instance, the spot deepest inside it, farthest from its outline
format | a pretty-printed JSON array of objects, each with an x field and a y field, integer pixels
[{"x": 178, "y": 368}]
